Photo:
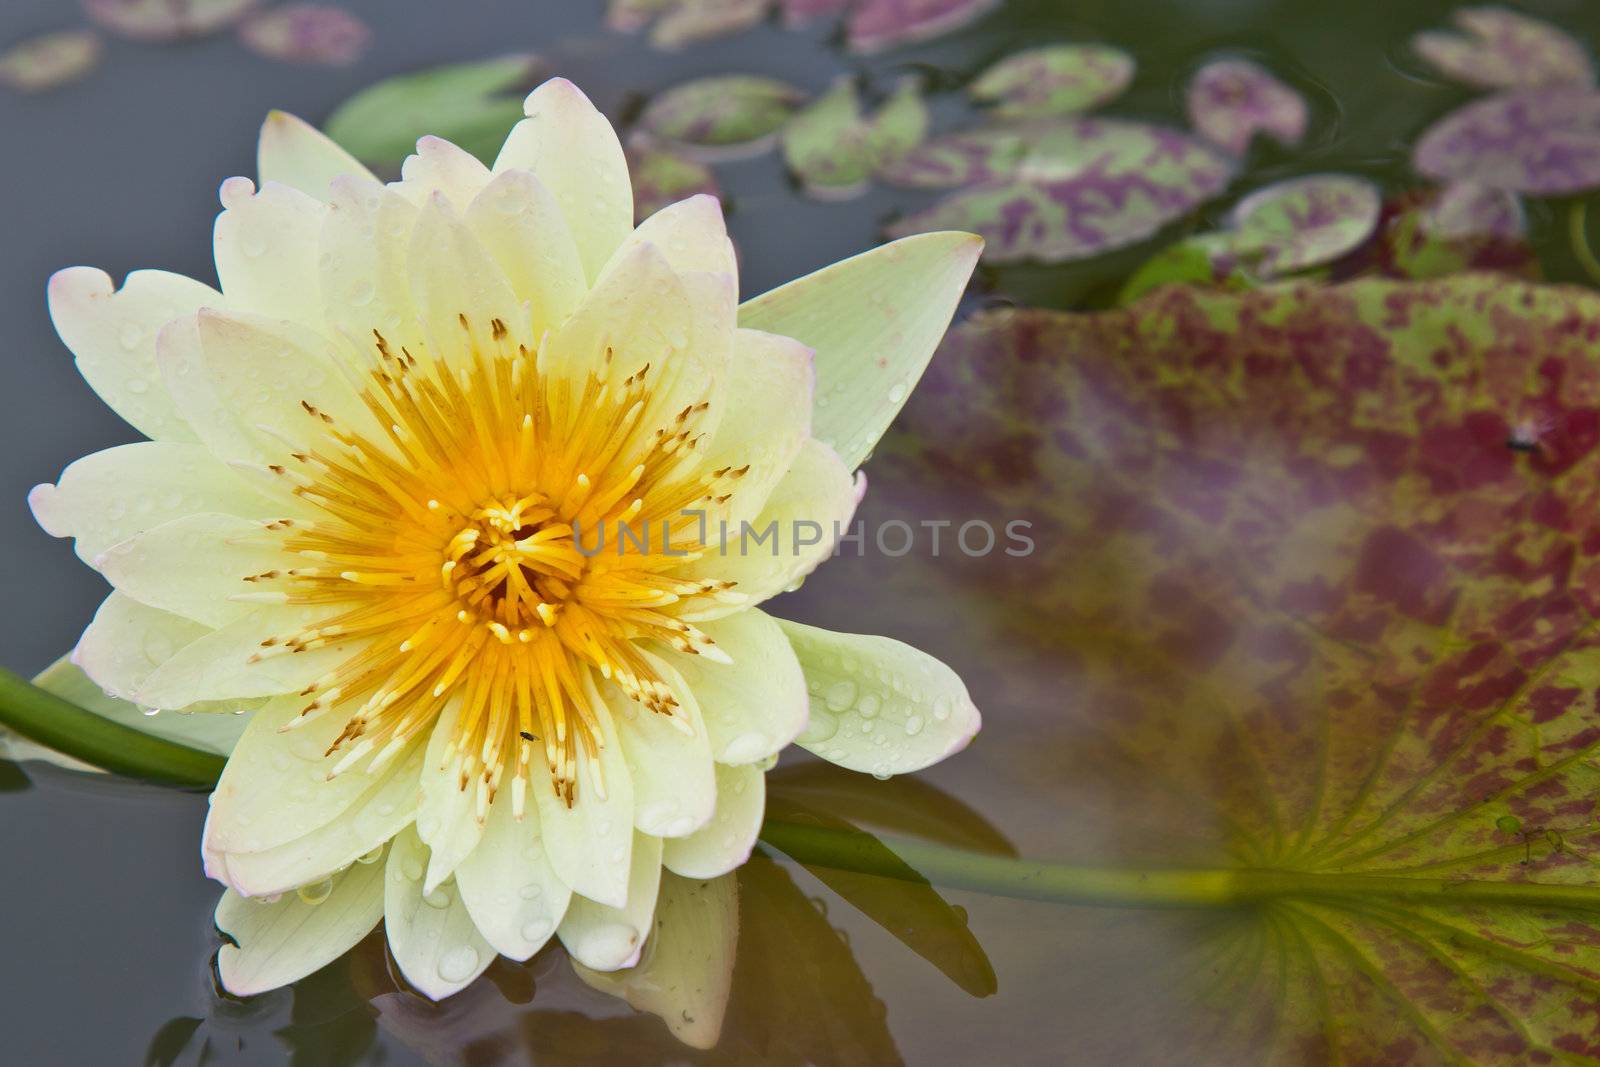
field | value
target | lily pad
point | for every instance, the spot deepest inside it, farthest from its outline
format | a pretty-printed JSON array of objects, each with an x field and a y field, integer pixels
[
  {"x": 679, "y": 23},
  {"x": 799, "y": 12},
  {"x": 1454, "y": 229},
  {"x": 1467, "y": 209},
  {"x": 1065, "y": 190},
  {"x": 1313, "y": 612},
  {"x": 1304, "y": 222},
  {"x": 1501, "y": 49},
  {"x": 166, "y": 20},
  {"x": 307, "y": 33},
  {"x": 50, "y": 61},
  {"x": 1545, "y": 142},
  {"x": 473, "y": 104},
  {"x": 1231, "y": 100},
  {"x": 729, "y": 115},
  {"x": 661, "y": 178},
  {"x": 1055, "y": 80},
  {"x": 878, "y": 25},
  {"x": 834, "y": 149}
]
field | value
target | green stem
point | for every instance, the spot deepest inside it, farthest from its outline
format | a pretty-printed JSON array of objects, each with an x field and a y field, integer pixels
[
  {"x": 1578, "y": 231},
  {"x": 73, "y": 731},
  {"x": 63, "y": 726}
]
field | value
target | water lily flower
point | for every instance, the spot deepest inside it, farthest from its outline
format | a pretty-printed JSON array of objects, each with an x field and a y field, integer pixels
[{"x": 382, "y": 505}]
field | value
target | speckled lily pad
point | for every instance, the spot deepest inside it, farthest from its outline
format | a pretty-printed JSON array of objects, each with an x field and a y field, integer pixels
[
  {"x": 166, "y": 20},
  {"x": 679, "y": 23},
  {"x": 1540, "y": 141},
  {"x": 307, "y": 33},
  {"x": 1070, "y": 189},
  {"x": 50, "y": 61},
  {"x": 1055, "y": 80},
  {"x": 1231, "y": 100},
  {"x": 877, "y": 25},
  {"x": 1304, "y": 222},
  {"x": 1501, "y": 49},
  {"x": 962, "y": 158},
  {"x": 734, "y": 114},
  {"x": 661, "y": 178},
  {"x": 834, "y": 149},
  {"x": 1468, "y": 209}
]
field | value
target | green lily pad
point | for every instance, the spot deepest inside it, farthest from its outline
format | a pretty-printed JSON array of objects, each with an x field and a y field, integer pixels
[
  {"x": 834, "y": 150},
  {"x": 723, "y": 116},
  {"x": 50, "y": 61},
  {"x": 1312, "y": 616},
  {"x": 1451, "y": 230},
  {"x": 307, "y": 33},
  {"x": 1054, "y": 80},
  {"x": 166, "y": 20},
  {"x": 661, "y": 178},
  {"x": 473, "y": 104},
  {"x": 1304, "y": 222}
]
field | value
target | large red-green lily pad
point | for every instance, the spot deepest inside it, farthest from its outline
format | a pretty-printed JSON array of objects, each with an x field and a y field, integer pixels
[{"x": 1311, "y": 628}]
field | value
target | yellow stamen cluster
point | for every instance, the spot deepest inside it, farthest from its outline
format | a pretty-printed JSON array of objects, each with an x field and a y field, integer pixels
[{"x": 447, "y": 552}]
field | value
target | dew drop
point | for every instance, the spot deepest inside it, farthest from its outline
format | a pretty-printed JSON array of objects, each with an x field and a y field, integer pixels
[
  {"x": 536, "y": 930},
  {"x": 412, "y": 869},
  {"x": 532, "y": 891},
  {"x": 913, "y": 725},
  {"x": 897, "y": 392},
  {"x": 868, "y": 706},
  {"x": 458, "y": 964},
  {"x": 439, "y": 898},
  {"x": 746, "y": 748},
  {"x": 841, "y": 695},
  {"x": 316, "y": 894},
  {"x": 130, "y": 336}
]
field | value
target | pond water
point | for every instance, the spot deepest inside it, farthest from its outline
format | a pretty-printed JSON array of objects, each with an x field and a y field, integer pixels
[{"x": 1258, "y": 632}]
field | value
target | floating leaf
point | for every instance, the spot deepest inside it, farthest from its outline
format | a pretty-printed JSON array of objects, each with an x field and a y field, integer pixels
[
  {"x": 307, "y": 33},
  {"x": 1468, "y": 209},
  {"x": 904, "y": 804},
  {"x": 661, "y": 178},
  {"x": 732, "y": 114},
  {"x": 166, "y": 20},
  {"x": 50, "y": 61},
  {"x": 964, "y": 158},
  {"x": 1232, "y": 100},
  {"x": 679, "y": 23},
  {"x": 1055, "y": 80},
  {"x": 1313, "y": 611},
  {"x": 1304, "y": 222},
  {"x": 1500, "y": 49},
  {"x": 799, "y": 12},
  {"x": 1545, "y": 142},
  {"x": 1204, "y": 259},
  {"x": 473, "y": 104},
  {"x": 877, "y": 25},
  {"x": 834, "y": 150},
  {"x": 1451, "y": 230},
  {"x": 1066, "y": 190}
]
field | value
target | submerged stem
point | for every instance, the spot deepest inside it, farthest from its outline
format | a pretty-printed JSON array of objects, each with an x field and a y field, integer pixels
[
  {"x": 63, "y": 726},
  {"x": 1578, "y": 231}
]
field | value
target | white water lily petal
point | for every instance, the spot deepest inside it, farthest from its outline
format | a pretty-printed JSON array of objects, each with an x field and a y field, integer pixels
[
  {"x": 457, "y": 286},
  {"x": 606, "y": 938},
  {"x": 112, "y": 335},
  {"x": 441, "y": 167},
  {"x": 691, "y": 234},
  {"x": 284, "y": 940},
  {"x": 685, "y": 974},
  {"x": 512, "y": 893},
  {"x": 447, "y": 819},
  {"x": 520, "y": 224},
  {"x": 431, "y": 935},
  {"x": 801, "y": 522},
  {"x": 755, "y": 705},
  {"x": 188, "y": 381},
  {"x": 767, "y": 416},
  {"x": 127, "y": 641},
  {"x": 639, "y": 311},
  {"x": 212, "y": 730},
  {"x": 674, "y": 781},
  {"x": 725, "y": 842},
  {"x": 109, "y": 496},
  {"x": 879, "y": 705},
  {"x": 191, "y": 565},
  {"x": 297, "y": 154},
  {"x": 590, "y": 842},
  {"x": 266, "y": 249},
  {"x": 874, "y": 322},
  {"x": 364, "y": 262},
  {"x": 574, "y": 151},
  {"x": 234, "y": 662}
]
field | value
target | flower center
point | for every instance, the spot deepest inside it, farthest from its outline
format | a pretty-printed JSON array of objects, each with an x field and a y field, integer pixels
[{"x": 448, "y": 554}]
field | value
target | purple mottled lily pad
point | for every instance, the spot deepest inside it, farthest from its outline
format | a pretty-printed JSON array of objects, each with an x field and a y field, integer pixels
[
  {"x": 1545, "y": 142},
  {"x": 679, "y": 23},
  {"x": 963, "y": 158},
  {"x": 1304, "y": 222},
  {"x": 307, "y": 33},
  {"x": 50, "y": 61},
  {"x": 1501, "y": 49},
  {"x": 1232, "y": 100},
  {"x": 1079, "y": 187},
  {"x": 1055, "y": 80},
  {"x": 1469, "y": 209},
  {"x": 834, "y": 149},
  {"x": 661, "y": 178},
  {"x": 166, "y": 20},
  {"x": 876, "y": 25},
  {"x": 735, "y": 114},
  {"x": 1454, "y": 229}
]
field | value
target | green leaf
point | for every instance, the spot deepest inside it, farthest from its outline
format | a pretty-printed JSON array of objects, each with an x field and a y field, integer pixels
[
  {"x": 1313, "y": 609},
  {"x": 1054, "y": 80},
  {"x": 834, "y": 149},
  {"x": 734, "y": 114},
  {"x": 661, "y": 178},
  {"x": 473, "y": 104}
]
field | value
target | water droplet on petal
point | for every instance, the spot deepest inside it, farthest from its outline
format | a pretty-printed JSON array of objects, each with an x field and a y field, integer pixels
[
  {"x": 458, "y": 964},
  {"x": 317, "y": 893},
  {"x": 841, "y": 695}
]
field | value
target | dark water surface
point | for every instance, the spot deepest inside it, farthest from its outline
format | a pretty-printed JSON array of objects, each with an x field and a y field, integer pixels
[{"x": 106, "y": 917}]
